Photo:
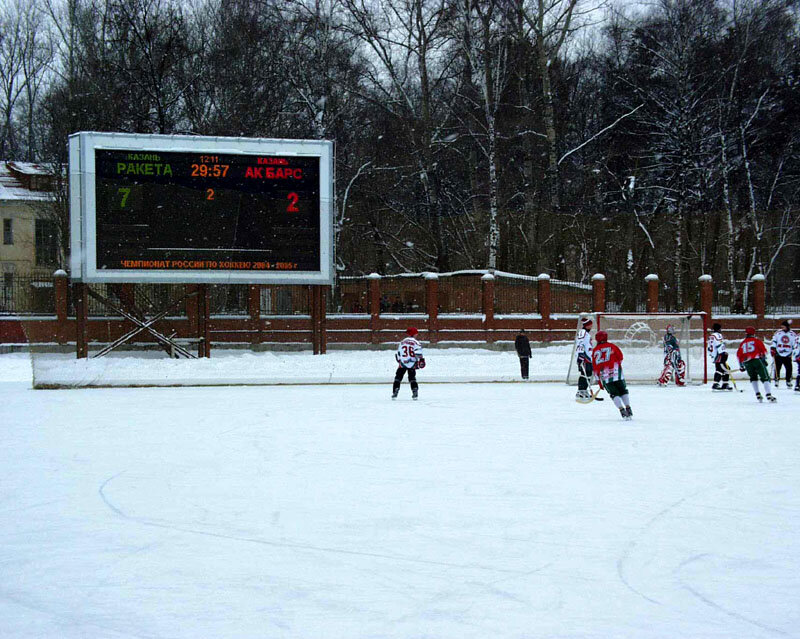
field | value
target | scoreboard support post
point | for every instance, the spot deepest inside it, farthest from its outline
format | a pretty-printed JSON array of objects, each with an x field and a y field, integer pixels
[
  {"x": 80, "y": 293},
  {"x": 203, "y": 321}
]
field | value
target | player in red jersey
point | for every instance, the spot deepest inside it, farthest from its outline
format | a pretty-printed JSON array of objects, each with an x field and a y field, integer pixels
[
  {"x": 752, "y": 356},
  {"x": 607, "y": 364}
]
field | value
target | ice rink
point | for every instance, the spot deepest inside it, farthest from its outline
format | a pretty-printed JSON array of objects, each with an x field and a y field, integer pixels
[{"x": 500, "y": 510}]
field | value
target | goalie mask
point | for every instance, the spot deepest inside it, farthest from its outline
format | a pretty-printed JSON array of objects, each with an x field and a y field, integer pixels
[{"x": 670, "y": 329}]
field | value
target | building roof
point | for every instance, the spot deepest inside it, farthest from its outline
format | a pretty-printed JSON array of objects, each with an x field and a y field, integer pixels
[{"x": 18, "y": 178}]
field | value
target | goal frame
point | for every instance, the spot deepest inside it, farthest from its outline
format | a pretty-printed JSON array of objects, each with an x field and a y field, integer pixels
[{"x": 597, "y": 319}]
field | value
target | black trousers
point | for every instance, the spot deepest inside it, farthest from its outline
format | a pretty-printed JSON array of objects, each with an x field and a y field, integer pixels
[
  {"x": 585, "y": 371},
  {"x": 785, "y": 362},
  {"x": 412, "y": 378},
  {"x": 721, "y": 370},
  {"x": 523, "y": 366}
]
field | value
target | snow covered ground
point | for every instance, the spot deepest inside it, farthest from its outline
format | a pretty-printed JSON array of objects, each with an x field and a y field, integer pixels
[{"x": 481, "y": 510}]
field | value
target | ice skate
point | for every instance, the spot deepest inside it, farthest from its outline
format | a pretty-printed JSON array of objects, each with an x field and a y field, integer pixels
[
  {"x": 759, "y": 397},
  {"x": 789, "y": 385},
  {"x": 414, "y": 394},
  {"x": 715, "y": 386},
  {"x": 771, "y": 398},
  {"x": 394, "y": 394},
  {"x": 624, "y": 413},
  {"x": 797, "y": 389},
  {"x": 629, "y": 412},
  {"x": 726, "y": 387}
]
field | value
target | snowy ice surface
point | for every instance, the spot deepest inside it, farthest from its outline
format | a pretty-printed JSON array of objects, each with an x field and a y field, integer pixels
[{"x": 481, "y": 510}]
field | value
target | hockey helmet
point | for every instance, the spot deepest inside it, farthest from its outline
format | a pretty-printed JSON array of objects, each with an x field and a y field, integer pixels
[
  {"x": 750, "y": 330},
  {"x": 716, "y": 327},
  {"x": 786, "y": 323},
  {"x": 601, "y": 337},
  {"x": 670, "y": 329},
  {"x": 411, "y": 331},
  {"x": 587, "y": 321}
]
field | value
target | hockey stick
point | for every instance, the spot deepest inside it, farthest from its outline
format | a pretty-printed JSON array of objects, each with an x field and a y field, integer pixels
[
  {"x": 733, "y": 381},
  {"x": 593, "y": 395}
]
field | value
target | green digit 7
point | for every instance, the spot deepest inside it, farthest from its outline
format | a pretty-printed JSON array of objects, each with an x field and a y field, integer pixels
[{"x": 125, "y": 193}]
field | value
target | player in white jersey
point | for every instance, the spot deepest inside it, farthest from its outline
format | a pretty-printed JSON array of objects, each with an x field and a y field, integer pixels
[
  {"x": 797, "y": 359},
  {"x": 718, "y": 355},
  {"x": 409, "y": 359},
  {"x": 583, "y": 349},
  {"x": 783, "y": 343}
]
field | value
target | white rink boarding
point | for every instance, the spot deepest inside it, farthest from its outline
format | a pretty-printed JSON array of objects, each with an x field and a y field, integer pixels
[
  {"x": 481, "y": 510},
  {"x": 237, "y": 367}
]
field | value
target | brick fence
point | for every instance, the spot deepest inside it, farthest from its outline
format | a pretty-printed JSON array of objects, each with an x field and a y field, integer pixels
[{"x": 375, "y": 324}]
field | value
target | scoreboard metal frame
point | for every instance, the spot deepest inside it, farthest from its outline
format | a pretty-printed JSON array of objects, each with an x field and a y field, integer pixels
[{"x": 83, "y": 180}]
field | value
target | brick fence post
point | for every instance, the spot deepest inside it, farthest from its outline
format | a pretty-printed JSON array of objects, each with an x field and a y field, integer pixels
[
  {"x": 60, "y": 285},
  {"x": 487, "y": 304},
  {"x": 652, "y": 293},
  {"x": 374, "y": 305},
  {"x": 598, "y": 293},
  {"x": 545, "y": 296},
  {"x": 706, "y": 296},
  {"x": 432, "y": 305},
  {"x": 759, "y": 295}
]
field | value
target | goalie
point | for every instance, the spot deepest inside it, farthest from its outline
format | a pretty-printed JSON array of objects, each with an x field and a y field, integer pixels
[{"x": 672, "y": 360}]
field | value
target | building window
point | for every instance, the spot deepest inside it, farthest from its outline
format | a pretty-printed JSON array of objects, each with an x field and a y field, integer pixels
[
  {"x": 8, "y": 231},
  {"x": 46, "y": 244}
]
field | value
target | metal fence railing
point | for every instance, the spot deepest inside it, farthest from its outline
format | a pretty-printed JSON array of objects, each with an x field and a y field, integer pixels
[
  {"x": 726, "y": 301},
  {"x": 783, "y": 300},
  {"x": 460, "y": 294},
  {"x": 570, "y": 297},
  {"x": 284, "y": 300},
  {"x": 403, "y": 294},
  {"x": 351, "y": 295},
  {"x": 25, "y": 295},
  {"x": 516, "y": 295}
]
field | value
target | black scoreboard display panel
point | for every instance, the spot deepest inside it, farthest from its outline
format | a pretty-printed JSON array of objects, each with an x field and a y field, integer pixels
[
  {"x": 212, "y": 211},
  {"x": 204, "y": 215}
]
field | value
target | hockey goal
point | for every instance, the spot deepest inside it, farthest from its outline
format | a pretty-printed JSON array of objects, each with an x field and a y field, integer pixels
[{"x": 641, "y": 338}]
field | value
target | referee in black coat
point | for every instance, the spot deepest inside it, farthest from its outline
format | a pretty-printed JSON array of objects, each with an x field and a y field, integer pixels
[{"x": 523, "y": 347}]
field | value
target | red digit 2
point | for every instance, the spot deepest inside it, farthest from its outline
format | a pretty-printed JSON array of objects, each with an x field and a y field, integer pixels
[{"x": 292, "y": 208}]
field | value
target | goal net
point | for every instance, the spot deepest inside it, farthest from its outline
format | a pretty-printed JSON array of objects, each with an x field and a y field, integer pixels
[{"x": 640, "y": 336}]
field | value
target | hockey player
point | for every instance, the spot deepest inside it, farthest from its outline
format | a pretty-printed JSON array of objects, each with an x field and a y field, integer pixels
[
  {"x": 409, "y": 359},
  {"x": 607, "y": 361},
  {"x": 672, "y": 360},
  {"x": 718, "y": 355},
  {"x": 783, "y": 344},
  {"x": 583, "y": 348},
  {"x": 797, "y": 359},
  {"x": 752, "y": 356}
]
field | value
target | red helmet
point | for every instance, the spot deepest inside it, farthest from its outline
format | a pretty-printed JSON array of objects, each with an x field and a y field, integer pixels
[
  {"x": 601, "y": 337},
  {"x": 412, "y": 331},
  {"x": 750, "y": 330}
]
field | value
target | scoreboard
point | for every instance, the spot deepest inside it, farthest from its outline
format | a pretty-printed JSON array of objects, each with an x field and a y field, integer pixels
[{"x": 152, "y": 208}]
